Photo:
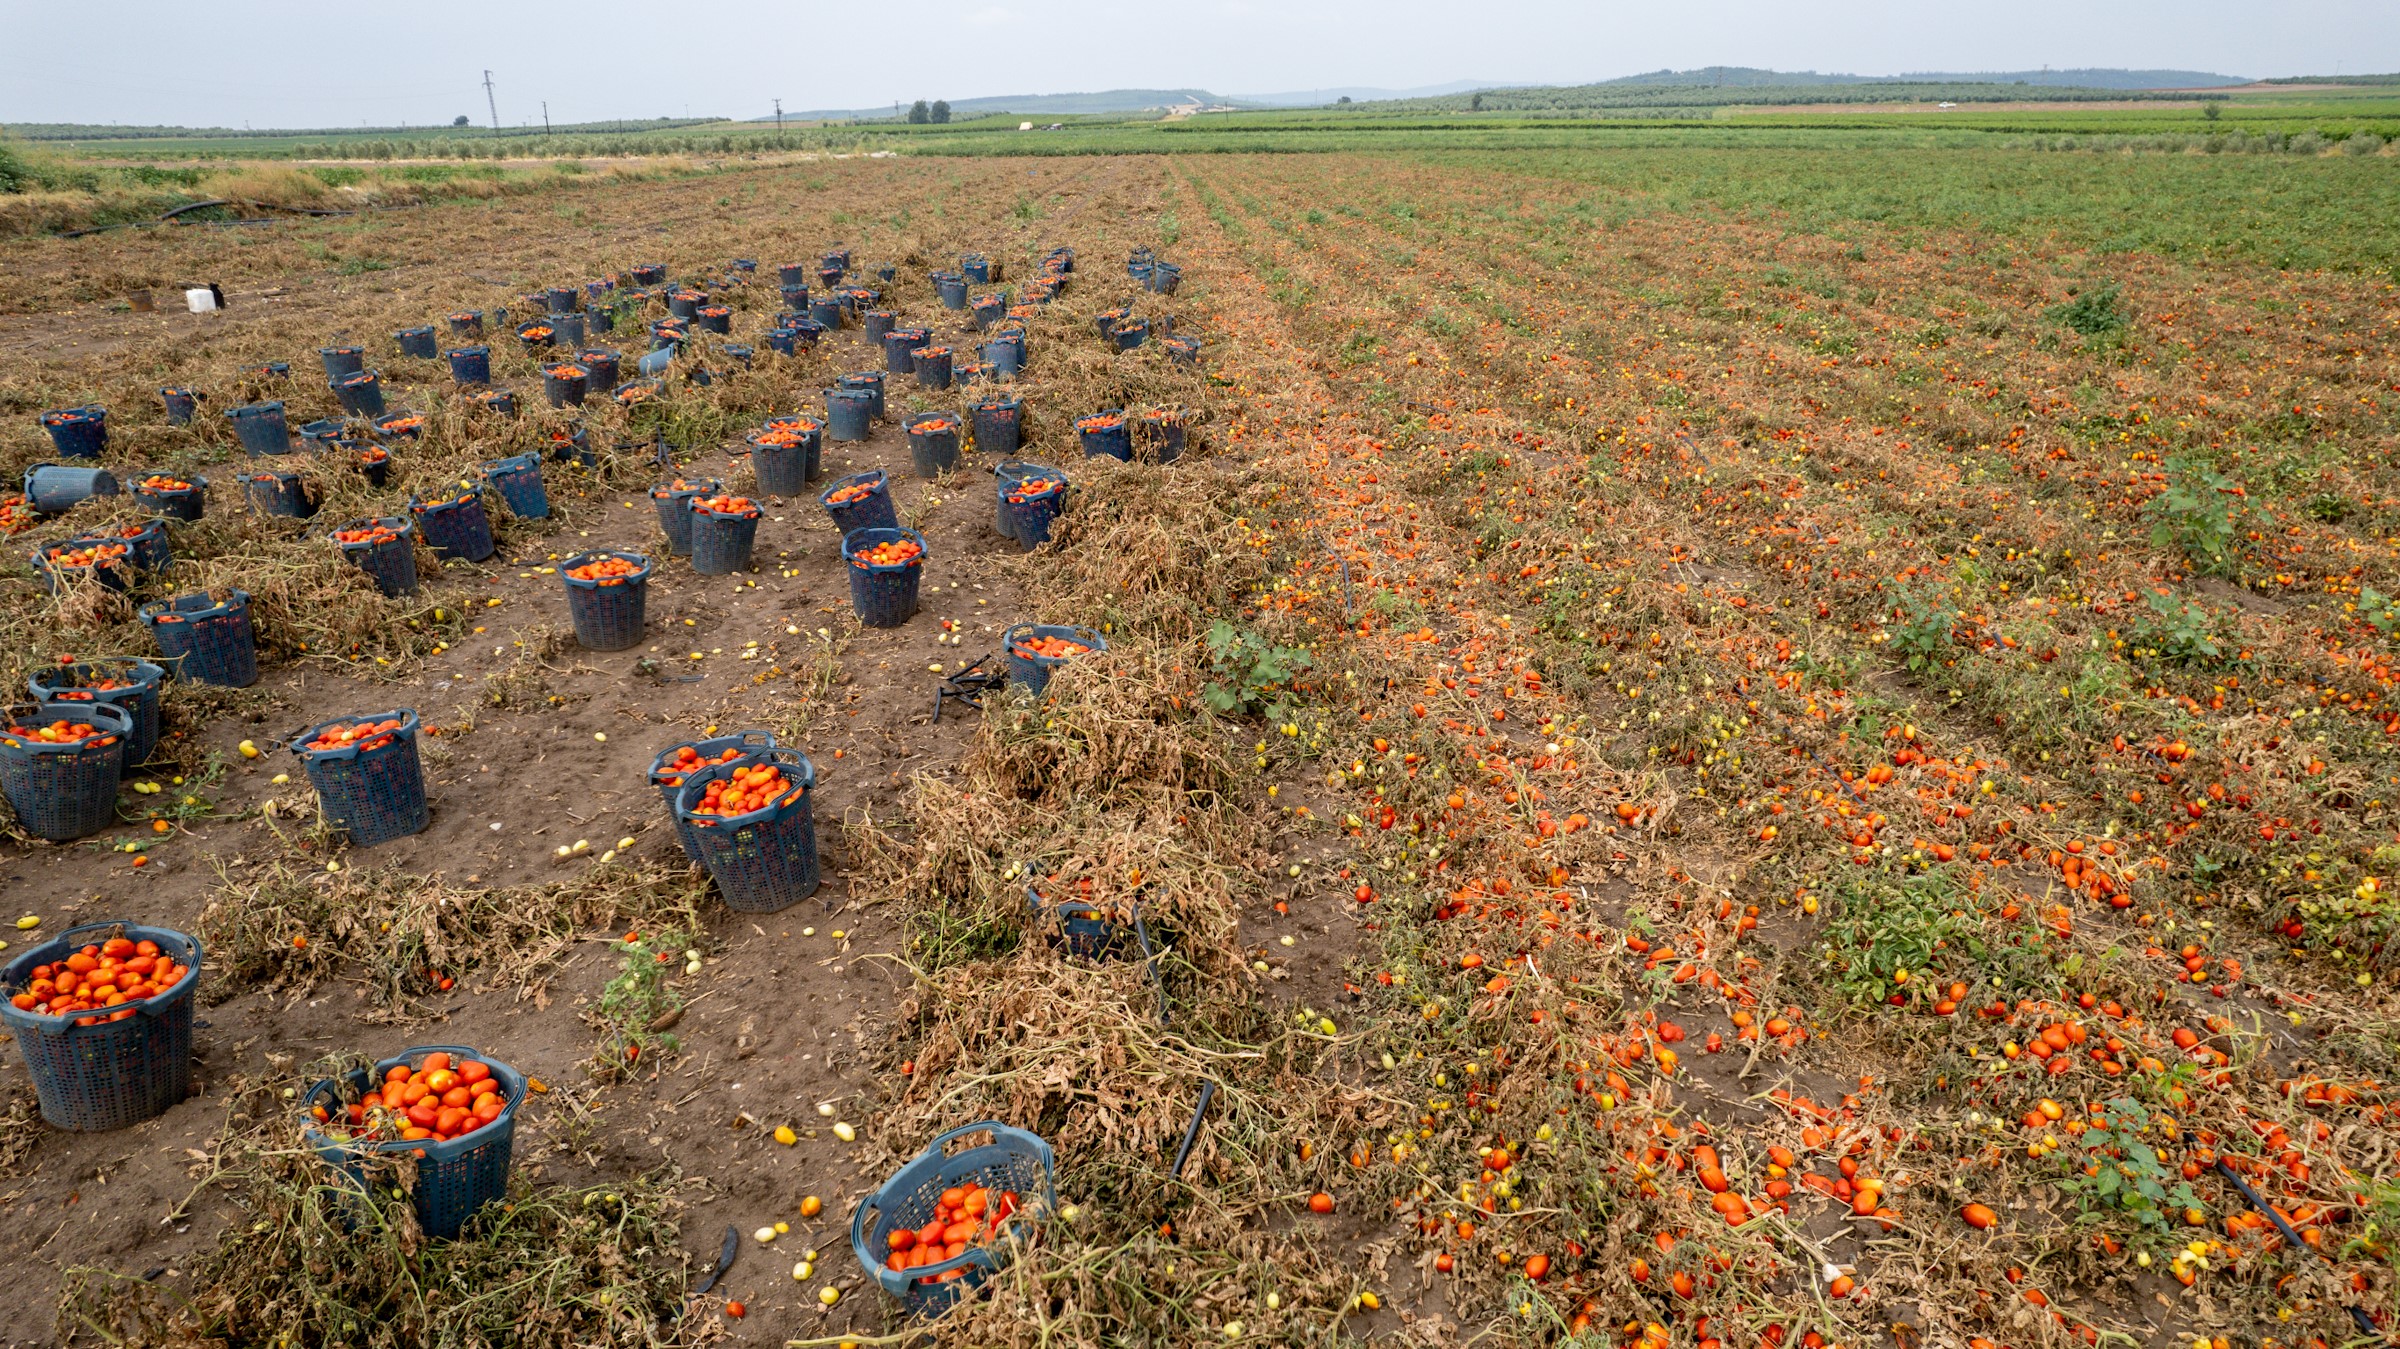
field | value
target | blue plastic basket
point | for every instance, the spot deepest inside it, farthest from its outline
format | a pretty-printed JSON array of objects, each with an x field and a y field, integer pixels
[
  {"x": 1013, "y": 1160},
  {"x": 55, "y": 488},
  {"x": 1163, "y": 434},
  {"x": 849, "y": 413},
  {"x": 599, "y": 369},
  {"x": 63, "y": 792},
  {"x": 340, "y": 361},
  {"x": 136, "y": 695},
  {"x": 147, "y": 544},
  {"x": 392, "y": 562},
  {"x": 454, "y": 1178},
  {"x": 900, "y": 347},
  {"x": 933, "y": 366},
  {"x": 278, "y": 494},
  {"x": 872, "y": 511},
  {"x": 670, "y": 784},
  {"x": 564, "y": 384},
  {"x": 872, "y": 382},
  {"x": 1076, "y": 927},
  {"x": 1031, "y": 514},
  {"x": 261, "y": 427},
  {"x": 721, "y": 540},
  {"x": 673, "y": 499},
  {"x": 110, "y": 1074},
  {"x": 205, "y": 640},
  {"x": 1182, "y": 350},
  {"x": 998, "y": 422},
  {"x": 456, "y": 528},
  {"x": 373, "y": 795},
  {"x": 1005, "y": 354},
  {"x": 782, "y": 469},
  {"x": 1034, "y": 671},
  {"x": 467, "y": 323},
  {"x": 765, "y": 861},
  {"x": 883, "y": 594},
  {"x": 1104, "y": 437},
  {"x": 607, "y": 611},
  {"x": 77, "y": 433},
  {"x": 174, "y": 503},
  {"x": 519, "y": 482},
  {"x": 111, "y": 572},
  {"x": 1129, "y": 333},
  {"x": 181, "y": 404},
  {"x": 360, "y": 393},
  {"x": 932, "y": 443}
]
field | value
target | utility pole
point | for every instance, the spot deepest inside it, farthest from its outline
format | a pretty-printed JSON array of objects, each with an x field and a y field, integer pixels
[
  {"x": 779, "y": 117},
  {"x": 545, "y": 117},
  {"x": 490, "y": 102}
]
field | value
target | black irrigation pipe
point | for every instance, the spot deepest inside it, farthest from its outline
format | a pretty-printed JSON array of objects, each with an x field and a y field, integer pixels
[
  {"x": 169, "y": 217},
  {"x": 2365, "y": 1323}
]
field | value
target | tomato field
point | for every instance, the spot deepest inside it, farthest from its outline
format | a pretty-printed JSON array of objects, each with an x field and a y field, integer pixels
[{"x": 1691, "y": 752}]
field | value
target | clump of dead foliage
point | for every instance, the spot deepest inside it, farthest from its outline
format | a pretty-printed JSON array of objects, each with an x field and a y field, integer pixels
[
  {"x": 319, "y": 1254},
  {"x": 401, "y": 936}
]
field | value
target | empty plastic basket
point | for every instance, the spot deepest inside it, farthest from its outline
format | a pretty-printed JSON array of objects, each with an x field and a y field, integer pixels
[{"x": 261, "y": 428}]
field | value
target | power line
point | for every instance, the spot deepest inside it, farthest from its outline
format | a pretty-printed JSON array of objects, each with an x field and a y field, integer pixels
[{"x": 490, "y": 102}]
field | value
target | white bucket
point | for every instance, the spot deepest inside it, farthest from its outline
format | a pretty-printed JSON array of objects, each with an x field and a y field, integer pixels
[{"x": 200, "y": 300}]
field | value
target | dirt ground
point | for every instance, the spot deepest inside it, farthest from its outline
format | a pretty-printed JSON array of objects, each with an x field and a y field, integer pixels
[{"x": 776, "y": 1022}]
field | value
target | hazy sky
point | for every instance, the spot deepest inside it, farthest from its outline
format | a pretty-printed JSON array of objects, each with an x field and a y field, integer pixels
[{"x": 230, "y": 62}]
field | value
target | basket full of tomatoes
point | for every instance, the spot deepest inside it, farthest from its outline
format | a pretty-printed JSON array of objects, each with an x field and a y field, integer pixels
[
  {"x": 370, "y": 782},
  {"x": 677, "y": 762},
  {"x": 103, "y": 1015},
  {"x": 120, "y": 681},
  {"x": 452, "y": 1109},
  {"x": 607, "y": 597},
  {"x": 1036, "y": 650},
  {"x": 860, "y": 501},
  {"x": 752, "y": 821},
  {"x": 60, "y": 763},
  {"x": 384, "y": 547},
  {"x": 940, "y": 1226},
  {"x": 723, "y": 529},
  {"x": 886, "y": 567}
]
